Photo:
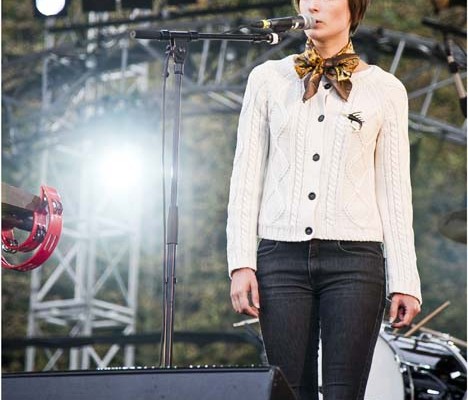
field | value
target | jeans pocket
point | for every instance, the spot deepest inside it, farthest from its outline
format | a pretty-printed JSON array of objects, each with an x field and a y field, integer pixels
[
  {"x": 360, "y": 248},
  {"x": 266, "y": 246}
]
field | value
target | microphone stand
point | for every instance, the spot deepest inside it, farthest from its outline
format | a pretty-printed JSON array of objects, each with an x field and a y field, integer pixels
[
  {"x": 178, "y": 50},
  {"x": 454, "y": 70},
  {"x": 447, "y": 31}
]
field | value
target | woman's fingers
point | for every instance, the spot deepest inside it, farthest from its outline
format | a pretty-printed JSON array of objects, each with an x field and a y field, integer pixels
[
  {"x": 405, "y": 308},
  {"x": 244, "y": 282}
]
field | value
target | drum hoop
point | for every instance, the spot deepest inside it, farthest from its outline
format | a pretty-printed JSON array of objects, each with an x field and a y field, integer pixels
[
  {"x": 451, "y": 348},
  {"x": 404, "y": 370},
  {"x": 455, "y": 351}
]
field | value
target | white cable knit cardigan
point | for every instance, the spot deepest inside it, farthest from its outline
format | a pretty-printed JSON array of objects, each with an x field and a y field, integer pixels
[{"x": 360, "y": 175}]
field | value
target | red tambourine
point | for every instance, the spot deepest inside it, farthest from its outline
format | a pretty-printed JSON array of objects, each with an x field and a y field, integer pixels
[{"x": 44, "y": 235}]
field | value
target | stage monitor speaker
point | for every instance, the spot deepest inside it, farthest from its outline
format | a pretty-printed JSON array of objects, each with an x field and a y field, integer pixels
[{"x": 264, "y": 383}]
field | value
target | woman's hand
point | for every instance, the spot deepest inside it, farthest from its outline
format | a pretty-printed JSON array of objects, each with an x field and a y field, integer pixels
[
  {"x": 405, "y": 307},
  {"x": 244, "y": 282}
]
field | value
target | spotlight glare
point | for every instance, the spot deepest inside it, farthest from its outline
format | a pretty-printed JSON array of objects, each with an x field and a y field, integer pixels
[
  {"x": 121, "y": 169},
  {"x": 50, "y": 7}
]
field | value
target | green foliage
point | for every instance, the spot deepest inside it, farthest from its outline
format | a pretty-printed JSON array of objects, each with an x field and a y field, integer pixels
[
  {"x": 439, "y": 187},
  {"x": 398, "y": 15}
]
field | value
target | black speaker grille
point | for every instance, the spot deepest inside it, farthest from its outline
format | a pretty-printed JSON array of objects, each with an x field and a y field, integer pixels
[{"x": 266, "y": 383}]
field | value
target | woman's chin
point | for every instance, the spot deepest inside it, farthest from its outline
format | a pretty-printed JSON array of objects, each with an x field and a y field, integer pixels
[{"x": 315, "y": 35}]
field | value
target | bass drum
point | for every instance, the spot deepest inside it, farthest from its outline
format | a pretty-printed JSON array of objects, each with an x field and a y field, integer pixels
[
  {"x": 414, "y": 368},
  {"x": 386, "y": 380},
  {"x": 388, "y": 377}
]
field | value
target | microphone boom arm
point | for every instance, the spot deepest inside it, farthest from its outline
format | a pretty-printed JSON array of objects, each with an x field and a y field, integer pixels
[{"x": 164, "y": 35}]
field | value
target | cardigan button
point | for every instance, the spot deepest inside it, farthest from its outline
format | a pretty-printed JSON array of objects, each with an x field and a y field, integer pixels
[
  {"x": 312, "y": 196},
  {"x": 316, "y": 157},
  {"x": 308, "y": 230},
  {"x": 321, "y": 118}
]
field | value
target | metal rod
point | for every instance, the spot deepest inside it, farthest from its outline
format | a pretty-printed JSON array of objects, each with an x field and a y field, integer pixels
[
  {"x": 164, "y": 35},
  {"x": 444, "y": 336}
]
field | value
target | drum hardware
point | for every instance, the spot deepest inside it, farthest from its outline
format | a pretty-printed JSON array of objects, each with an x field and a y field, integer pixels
[
  {"x": 431, "y": 368},
  {"x": 443, "y": 336},
  {"x": 245, "y": 322},
  {"x": 455, "y": 375},
  {"x": 257, "y": 335}
]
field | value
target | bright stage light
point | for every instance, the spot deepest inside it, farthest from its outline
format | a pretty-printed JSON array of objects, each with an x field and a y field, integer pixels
[
  {"x": 49, "y": 8},
  {"x": 121, "y": 169}
]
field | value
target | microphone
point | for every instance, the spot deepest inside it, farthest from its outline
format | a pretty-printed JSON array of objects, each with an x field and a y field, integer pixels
[{"x": 299, "y": 22}]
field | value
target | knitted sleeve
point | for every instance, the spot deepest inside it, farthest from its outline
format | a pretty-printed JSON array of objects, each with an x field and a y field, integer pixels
[
  {"x": 393, "y": 190},
  {"x": 248, "y": 175}
]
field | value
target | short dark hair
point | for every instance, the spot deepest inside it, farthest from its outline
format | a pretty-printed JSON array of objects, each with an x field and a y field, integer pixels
[{"x": 357, "y": 9}]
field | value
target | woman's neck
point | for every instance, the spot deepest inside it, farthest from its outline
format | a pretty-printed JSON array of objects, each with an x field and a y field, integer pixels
[{"x": 328, "y": 49}]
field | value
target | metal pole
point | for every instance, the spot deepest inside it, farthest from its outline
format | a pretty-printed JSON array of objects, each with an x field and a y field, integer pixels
[{"x": 178, "y": 52}]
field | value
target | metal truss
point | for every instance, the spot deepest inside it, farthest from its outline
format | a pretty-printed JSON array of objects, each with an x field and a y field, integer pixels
[
  {"x": 94, "y": 284},
  {"x": 91, "y": 283}
]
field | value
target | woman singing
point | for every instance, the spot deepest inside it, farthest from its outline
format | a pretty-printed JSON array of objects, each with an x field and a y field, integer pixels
[{"x": 321, "y": 176}]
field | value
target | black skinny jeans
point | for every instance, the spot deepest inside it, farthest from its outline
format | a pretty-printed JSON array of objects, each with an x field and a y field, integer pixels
[{"x": 327, "y": 287}]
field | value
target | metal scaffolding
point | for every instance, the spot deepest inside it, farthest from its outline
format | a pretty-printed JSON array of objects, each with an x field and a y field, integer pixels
[{"x": 94, "y": 283}]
